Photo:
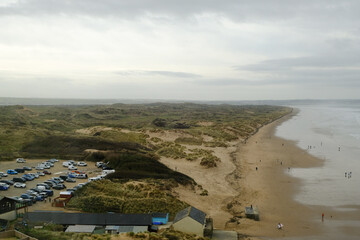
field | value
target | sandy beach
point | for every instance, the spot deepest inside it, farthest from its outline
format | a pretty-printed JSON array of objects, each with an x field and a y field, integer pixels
[
  {"x": 236, "y": 183},
  {"x": 270, "y": 188}
]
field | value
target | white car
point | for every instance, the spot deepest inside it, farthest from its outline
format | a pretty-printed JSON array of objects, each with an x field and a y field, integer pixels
[
  {"x": 39, "y": 167},
  {"x": 66, "y": 164},
  {"x": 19, "y": 185},
  {"x": 71, "y": 167},
  {"x": 2, "y": 174},
  {"x": 20, "y": 160},
  {"x": 82, "y": 164}
]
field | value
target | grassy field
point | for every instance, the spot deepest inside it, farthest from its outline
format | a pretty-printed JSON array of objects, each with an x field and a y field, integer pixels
[{"x": 127, "y": 197}]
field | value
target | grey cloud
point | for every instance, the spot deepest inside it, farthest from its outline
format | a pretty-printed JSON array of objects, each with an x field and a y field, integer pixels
[
  {"x": 236, "y": 9},
  {"x": 158, "y": 73},
  {"x": 325, "y": 61}
]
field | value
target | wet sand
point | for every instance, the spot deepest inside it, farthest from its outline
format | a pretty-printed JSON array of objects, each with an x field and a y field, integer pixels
[{"x": 270, "y": 188}]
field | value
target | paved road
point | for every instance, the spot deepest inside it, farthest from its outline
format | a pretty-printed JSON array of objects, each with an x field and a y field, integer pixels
[{"x": 224, "y": 235}]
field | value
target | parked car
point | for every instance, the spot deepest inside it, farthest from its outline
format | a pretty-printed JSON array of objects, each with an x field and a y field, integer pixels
[
  {"x": 49, "y": 192},
  {"x": 67, "y": 164},
  {"x": 2, "y": 174},
  {"x": 63, "y": 177},
  {"x": 44, "y": 185},
  {"x": 19, "y": 185},
  {"x": 35, "y": 175},
  {"x": 59, "y": 187},
  {"x": 46, "y": 172},
  {"x": 9, "y": 182},
  {"x": 28, "y": 177},
  {"x": 72, "y": 162},
  {"x": 70, "y": 180},
  {"x": 11, "y": 172},
  {"x": 19, "y": 170},
  {"x": 39, "y": 167},
  {"x": 81, "y": 176},
  {"x": 19, "y": 179},
  {"x": 72, "y": 167},
  {"x": 26, "y": 168},
  {"x": 58, "y": 179},
  {"x": 4, "y": 186},
  {"x": 40, "y": 173},
  {"x": 99, "y": 164},
  {"x": 51, "y": 184},
  {"x": 54, "y": 160},
  {"x": 82, "y": 164},
  {"x": 20, "y": 160}
]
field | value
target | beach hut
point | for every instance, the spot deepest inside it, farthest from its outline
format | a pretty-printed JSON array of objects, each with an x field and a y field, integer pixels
[
  {"x": 160, "y": 218},
  {"x": 190, "y": 220}
]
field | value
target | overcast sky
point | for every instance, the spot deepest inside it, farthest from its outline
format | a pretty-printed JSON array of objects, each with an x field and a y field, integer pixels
[{"x": 188, "y": 49}]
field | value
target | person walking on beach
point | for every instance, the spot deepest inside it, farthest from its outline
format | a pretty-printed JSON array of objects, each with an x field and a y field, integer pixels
[
  {"x": 322, "y": 217},
  {"x": 280, "y": 226}
]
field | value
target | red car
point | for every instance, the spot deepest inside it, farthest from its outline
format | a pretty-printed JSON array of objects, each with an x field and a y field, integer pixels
[{"x": 46, "y": 172}]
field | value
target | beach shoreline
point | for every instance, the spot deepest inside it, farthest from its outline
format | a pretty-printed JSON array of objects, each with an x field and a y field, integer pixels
[{"x": 261, "y": 180}]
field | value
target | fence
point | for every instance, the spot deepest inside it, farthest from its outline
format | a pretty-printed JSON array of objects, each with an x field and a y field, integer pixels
[{"x": 17, "y": 234}]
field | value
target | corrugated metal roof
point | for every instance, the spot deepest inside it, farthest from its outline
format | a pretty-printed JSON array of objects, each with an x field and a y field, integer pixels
[
  {"x": 90, "y": 218},
  {"x": 192, "y": 212},
  {"x": 81, "y": 229}
]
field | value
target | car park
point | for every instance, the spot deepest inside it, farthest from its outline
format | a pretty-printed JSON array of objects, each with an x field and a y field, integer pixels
[
  {"x": 11, "y": 172},
  {"x": 82, "y": 164},
  {"x": 20, "y": 160},
  {"x": 26, "y": 168},
  {"x": 19, "y": 185}
]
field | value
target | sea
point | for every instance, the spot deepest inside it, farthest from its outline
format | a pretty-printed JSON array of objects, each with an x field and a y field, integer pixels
[{"x": 330, "y": 131}]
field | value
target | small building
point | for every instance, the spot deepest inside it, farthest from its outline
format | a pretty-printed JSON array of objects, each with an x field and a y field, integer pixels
[
  {"x": 160, "y": 218},
  {"x": 190, "y": 220},
  {"x": 125, "y": 229},
  {"x": 252, "y": 213},
  {"x": 81, "y": 229},
  {"x": 7, "y": 208}
]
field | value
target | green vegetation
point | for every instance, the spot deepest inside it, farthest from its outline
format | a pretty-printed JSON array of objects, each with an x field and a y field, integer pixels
[
  {"x": 130, "y": 197},
  {"x": 131, "y": 165},
  {"x": 25, "y": 129}
]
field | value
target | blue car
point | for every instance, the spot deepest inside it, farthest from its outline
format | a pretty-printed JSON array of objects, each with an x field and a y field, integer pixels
[
  {"x": 3, "y": 188},
  {"x": 28, "y": 177},
  {"x": 11, "y": 171}
]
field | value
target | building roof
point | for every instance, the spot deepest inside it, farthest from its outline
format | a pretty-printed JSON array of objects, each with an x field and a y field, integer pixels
[
  {"x": 159, "y": 215},
  {"x": 90, "y": 218},
  {"x": 192, "y": 212},
  {"x": 81, "y": 229}
]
